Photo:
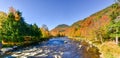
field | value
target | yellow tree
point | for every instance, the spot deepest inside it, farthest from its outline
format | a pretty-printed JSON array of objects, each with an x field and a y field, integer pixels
[{"x": 45, "y": 31}]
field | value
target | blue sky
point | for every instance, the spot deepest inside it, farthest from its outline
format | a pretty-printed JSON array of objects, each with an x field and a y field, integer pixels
[{"x": 55, "y": 12}]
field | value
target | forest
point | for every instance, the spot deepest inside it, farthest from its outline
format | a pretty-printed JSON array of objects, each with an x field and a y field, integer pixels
[{"x": 15, "y": 31}]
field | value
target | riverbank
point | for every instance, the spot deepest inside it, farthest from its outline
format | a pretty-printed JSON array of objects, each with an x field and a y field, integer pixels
[
  {"x": 20, "y": 44},
  {"x": 108, "y": 49},
  {"x": 8, "y": 47},
  {"x": 88, "y": 49}
]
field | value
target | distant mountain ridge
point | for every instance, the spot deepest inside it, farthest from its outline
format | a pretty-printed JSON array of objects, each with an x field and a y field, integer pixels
[
  {"x": 62, "y": 26},
  {"x": 59, "y": 30}
]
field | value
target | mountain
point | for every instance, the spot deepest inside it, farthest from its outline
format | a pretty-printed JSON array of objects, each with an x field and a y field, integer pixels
[
  {"x": 62, "y": 26},
  {"x": 94, "y": 25},
  {"x": 59, "y": 30}
]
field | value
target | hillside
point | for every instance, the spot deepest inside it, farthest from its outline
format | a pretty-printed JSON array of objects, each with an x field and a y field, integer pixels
[
  {"x": 91, "y": 26},
  {"x": 59, "y": 30}
]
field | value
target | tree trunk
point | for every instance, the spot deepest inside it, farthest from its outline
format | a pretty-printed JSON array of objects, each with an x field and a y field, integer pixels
[
  {"x": 116, "y": 36},
  {"x": 101, "y": 39},
  {"x": 117, "y": 40}
]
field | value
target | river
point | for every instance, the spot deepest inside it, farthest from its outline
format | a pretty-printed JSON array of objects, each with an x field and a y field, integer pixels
[{"x": 60, "y": 47}]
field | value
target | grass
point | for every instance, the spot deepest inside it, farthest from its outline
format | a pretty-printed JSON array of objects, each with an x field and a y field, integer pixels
[{"x": 109, "y": 50}]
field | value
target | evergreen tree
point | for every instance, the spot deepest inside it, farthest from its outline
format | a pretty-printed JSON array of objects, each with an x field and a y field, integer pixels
[{"x": 13, "y": 30}]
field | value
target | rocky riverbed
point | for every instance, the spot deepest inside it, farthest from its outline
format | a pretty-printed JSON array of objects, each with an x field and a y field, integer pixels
[{"x": 61, "y": 47}]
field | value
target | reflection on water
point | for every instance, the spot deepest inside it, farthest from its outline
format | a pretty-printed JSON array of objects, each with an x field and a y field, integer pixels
[
  {"x": 60, "y": 47},
  {"x": 55, "y": 42}
]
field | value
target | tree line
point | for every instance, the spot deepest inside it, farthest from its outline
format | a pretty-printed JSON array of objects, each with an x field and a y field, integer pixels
[{"x": 15, "y": 29}]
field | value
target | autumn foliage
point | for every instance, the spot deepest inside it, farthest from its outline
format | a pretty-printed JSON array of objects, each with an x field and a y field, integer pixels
[{"x": 94, "y": 26}]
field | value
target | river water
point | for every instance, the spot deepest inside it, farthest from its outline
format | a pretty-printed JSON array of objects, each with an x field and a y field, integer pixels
[{"x": 60, "y": 47}]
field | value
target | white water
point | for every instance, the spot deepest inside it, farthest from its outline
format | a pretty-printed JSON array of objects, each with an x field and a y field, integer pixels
[{"x": 60, "y": 47}]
